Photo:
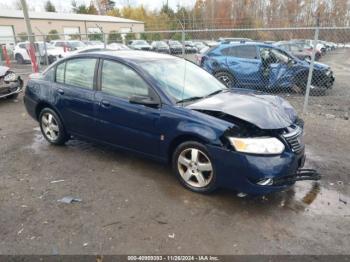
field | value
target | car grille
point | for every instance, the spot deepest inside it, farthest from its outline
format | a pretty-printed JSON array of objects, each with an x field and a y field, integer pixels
[{"x": 295, "y": 139}]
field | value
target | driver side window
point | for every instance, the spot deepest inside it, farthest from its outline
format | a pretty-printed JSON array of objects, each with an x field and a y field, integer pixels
[{"x": 121, "y": 81}]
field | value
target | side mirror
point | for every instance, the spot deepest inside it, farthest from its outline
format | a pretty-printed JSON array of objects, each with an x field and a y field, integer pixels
[{"x": 145, "y": 100}]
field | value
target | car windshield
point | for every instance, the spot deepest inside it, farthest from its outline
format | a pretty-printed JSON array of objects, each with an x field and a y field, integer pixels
[
  {"x": 182, "y": 80},
  {"x": 139, "y": 42}
]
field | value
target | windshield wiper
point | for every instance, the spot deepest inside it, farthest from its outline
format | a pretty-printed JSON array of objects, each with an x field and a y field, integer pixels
[
  {"x": 216, "y": 92},
  {"x": 189, "y": 99}
]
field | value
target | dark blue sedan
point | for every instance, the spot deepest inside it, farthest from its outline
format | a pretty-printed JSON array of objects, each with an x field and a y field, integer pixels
[{"x": 169, "y": 109}]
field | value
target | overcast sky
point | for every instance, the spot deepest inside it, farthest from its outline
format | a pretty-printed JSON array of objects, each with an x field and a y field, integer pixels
[{"x": 65, "y": 5}]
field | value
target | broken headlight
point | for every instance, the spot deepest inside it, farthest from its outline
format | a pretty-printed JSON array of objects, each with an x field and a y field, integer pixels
[
  {"x": 258, "y": 145},
  {"x": 10, "y": 77}
]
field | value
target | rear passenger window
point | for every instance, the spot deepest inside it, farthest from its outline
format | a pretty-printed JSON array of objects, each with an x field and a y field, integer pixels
[
  {"x": 245, "y": 52},
  {"x": 226, "y": 51},
  {"x": 60, "y": 73},
  {"x": 119, "y": 80},
  {"x": 80, "y": 72}
]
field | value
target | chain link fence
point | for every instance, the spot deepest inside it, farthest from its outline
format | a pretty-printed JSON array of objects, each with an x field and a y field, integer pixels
[{"x": 309, "y": 66}]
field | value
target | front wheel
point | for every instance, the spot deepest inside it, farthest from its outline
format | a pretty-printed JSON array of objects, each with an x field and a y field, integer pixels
[
  {"x": 52, "y": 127},
  {"x": 225, "y": 78},
  {"x": 194, "y": 168}
]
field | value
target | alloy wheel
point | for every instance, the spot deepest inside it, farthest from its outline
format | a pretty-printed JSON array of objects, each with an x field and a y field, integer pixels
[
  {"x": 195, "y": 167},
  {"x": 226, "y": 80},
  {"x": 50, "y": 126}
]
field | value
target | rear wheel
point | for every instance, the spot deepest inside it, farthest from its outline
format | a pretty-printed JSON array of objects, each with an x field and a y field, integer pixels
[
  {"x": 225, "y": 78},
  {"x": 52, "y": 127},
  {"x": 194, "y": 168}
]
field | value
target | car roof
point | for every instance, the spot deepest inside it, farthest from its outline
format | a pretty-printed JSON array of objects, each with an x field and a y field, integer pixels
[
  {"x": 246, "y": 44},
  {"x": 134, "y": 55}
]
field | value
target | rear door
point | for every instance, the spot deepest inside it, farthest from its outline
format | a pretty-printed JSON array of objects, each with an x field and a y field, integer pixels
[
  {"x": 120, "y": 122},
  {"x": 74, "y": 94},
  {"x": 244, "y": 63}
]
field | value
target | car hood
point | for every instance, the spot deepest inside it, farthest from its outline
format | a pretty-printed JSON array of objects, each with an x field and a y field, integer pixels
[
  {"x": 262, "y": 110},
  {"x": 3, "y": 70},
  {"x": 317, "y": 65}
]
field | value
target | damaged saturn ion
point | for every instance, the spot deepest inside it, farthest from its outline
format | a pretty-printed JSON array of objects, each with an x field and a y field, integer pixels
[{"x": 169, "y": 109}]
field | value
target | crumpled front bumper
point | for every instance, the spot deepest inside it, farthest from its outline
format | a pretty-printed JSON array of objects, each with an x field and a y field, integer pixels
[
  {"x": 10, "y": 88},
  {"x": 242, "y": 172}
]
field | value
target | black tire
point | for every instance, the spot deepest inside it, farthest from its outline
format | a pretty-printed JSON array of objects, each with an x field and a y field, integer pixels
[
  {"x": 209, "y": 176},
  {"x": 61, "y": 135},
  {"x": 13, "y": 96},
  {"x": 226, "y": 78},
  {"x": 19, "y": 59}
]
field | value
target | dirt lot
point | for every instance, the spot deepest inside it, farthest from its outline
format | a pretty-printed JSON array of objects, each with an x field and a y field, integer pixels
[{"x": 133, "y": 205}]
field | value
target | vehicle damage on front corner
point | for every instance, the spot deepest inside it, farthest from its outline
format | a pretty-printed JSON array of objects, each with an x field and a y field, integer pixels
[
  {"x": 10, "y": 84},
  {"x": 263, "y": 145}
]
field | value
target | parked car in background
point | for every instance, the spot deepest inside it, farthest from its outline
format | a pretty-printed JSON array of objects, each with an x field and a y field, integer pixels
[
  {"x": 210, "y": 43},
  {"x": 198, "y": 57},
  {"x": 190, "y": 47},
  {"x": 263, "y": 67},
  {"x": 10, "y": 84},
  {"x": 139, "y": 45},
  {"x": 89, "y": 49},
  {"x": 175, "y": 46},
  {"x": 21, "y": 53},
  {"x": 160, "y": 47},
  {"x": 117, "y": 46},
  {"x": 321, "y": 48},
  {"x": 142, "y": 102},
  {"x": 309, "y": 48},
  {"x": 199, "y": 45},
  {"x": 93, "y": 43},
  {"x": 68, "y": 45},
  {"x": 297, "y": 50},
  {"x": 234, "y": 40}
]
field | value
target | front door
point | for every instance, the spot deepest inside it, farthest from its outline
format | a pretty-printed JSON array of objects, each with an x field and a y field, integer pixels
[{"x": 120, "y": 122}]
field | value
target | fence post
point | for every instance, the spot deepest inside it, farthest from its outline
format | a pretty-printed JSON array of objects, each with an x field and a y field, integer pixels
[
  {"x": 311, "y": 69},
  {"x": 183, "y": 43},
  {"x": 45, "y": 51},
  {"x": 104, "y": 40}
]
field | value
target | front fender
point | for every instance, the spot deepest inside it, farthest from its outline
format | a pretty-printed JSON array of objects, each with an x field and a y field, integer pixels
[{"x": 204, "y": 133}]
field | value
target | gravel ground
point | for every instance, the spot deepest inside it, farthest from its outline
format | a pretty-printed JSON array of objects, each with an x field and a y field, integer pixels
[{"x": 133, "y": 205}]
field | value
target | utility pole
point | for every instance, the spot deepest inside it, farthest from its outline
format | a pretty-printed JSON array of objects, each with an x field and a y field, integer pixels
[
  {"x": 27, "y": 21},
  {"x": 35, "y": 66}
]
